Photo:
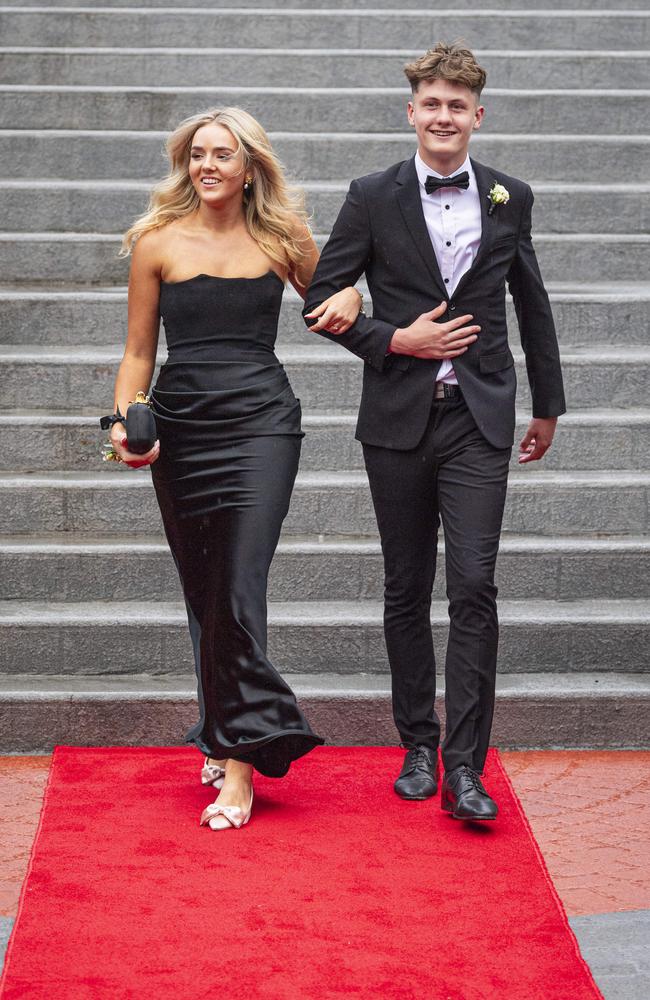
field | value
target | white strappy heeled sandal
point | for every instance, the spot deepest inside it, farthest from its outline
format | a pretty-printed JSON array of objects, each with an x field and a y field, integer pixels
[
  {"x": 213, "y": 774},
  {"x": 226, "y": 817}
]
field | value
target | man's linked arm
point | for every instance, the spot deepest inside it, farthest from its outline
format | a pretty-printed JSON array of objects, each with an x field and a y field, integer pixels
[
  {"x": 536, "y": 326},
  {"x": 342, "y": 262}
]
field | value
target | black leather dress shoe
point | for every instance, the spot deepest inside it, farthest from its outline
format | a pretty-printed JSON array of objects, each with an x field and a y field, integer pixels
[
  {"x": 464, "y": 796},
  {"x": 418, "y": 778}
]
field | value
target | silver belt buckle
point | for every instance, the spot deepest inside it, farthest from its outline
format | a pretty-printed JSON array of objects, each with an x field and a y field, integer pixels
[{"x": 446, "y": 390}]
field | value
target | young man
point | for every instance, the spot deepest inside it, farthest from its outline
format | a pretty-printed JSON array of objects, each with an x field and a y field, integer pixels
[{"x": 438, "y": 237}]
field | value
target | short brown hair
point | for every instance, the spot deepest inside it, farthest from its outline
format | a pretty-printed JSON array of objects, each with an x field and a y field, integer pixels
[{"x": 447, "y": 62}]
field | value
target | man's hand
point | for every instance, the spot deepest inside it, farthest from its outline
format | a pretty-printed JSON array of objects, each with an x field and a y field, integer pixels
[
  {"x": 425, "y": 338},
  {"x": 537, "y": 439}
]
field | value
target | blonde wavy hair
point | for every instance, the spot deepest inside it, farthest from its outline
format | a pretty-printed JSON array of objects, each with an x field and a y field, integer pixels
[{"x": 271, "y": 206}]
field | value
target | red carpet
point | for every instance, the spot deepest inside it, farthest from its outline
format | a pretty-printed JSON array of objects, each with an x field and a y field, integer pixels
[{"x": 336, "y": 888}]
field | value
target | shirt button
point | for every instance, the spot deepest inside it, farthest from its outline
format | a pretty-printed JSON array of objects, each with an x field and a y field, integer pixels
[
  {"x": 446, "y": 281},
  {"x": 447, "y": 206},
  {"x": 448, "y": 243}
]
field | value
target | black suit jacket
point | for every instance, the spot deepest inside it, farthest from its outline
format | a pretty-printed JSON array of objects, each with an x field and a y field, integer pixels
[{"x": 381, "y": 230}]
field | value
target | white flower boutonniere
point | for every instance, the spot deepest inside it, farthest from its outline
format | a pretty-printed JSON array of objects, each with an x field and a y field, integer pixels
[{"x": 498, "y": 195}]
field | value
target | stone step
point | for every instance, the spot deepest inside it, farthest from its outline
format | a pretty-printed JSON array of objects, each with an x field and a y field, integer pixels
[
  {"x": 92, "y": 153},
  {"x": 327, "y": 67},
  {"x": 371, "y": 5},
  {"x": 590, "y": 709},
  {"x": 381, "y": 109},
  {"x": 316, "y": 28},
  {"x": 58, "y": 441},
  {"x": 307, "y": 637},
  {"x": 111, "y": 206},
  {"x": 607, "y": 313},
  {"x": 317, "y": 569},
  {"x": 32, "y": 258},
  {"x": 586, "y": 439},
  {"x": 324, "y": 376},
  {"x": 545, "y": 503}
]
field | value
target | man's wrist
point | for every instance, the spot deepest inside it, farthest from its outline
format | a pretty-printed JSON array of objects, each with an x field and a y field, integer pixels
[{"x": 396, "y": 342}]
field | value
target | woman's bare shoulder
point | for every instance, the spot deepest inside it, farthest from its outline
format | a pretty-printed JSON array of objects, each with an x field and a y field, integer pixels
[
  {"x": 153, "y": 247},
  {"x": 150, "y": 244}
]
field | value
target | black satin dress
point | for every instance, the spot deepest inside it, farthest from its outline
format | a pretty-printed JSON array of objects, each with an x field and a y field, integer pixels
[{"x": 229, "y": 430}]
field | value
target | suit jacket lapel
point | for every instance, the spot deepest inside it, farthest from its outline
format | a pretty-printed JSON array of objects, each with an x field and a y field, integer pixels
[
  {"x": 408, "y": 198},
  {"x": 484, "y": 181}
]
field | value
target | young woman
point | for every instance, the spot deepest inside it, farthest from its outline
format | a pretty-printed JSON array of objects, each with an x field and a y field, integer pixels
[{"x": 222, "y": 236}]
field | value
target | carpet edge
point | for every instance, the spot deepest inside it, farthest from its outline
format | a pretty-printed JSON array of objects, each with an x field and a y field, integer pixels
[
  {"x": 545, "y": 872},
  {"x": 30, "y": 864}
]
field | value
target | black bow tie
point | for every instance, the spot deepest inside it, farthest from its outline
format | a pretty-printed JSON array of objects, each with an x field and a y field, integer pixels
[{"x": 457, "y": 181}]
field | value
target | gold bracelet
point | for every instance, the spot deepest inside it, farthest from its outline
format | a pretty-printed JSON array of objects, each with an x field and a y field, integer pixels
[
  {"x": 109, "y": 454},
  {"x": 141, "y": 397}
]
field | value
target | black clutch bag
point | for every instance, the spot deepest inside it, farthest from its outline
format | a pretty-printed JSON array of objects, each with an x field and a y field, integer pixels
[{"x": 140, "y": 425}]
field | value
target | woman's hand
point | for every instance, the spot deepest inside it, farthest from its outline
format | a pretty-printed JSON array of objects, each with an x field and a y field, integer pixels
[
  {"x": 338, "y": 313},
  {"x": 130, "y": 458}
]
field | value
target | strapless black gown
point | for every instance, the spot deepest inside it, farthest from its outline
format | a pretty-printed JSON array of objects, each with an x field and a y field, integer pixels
[{"x": 229, "y": 430}]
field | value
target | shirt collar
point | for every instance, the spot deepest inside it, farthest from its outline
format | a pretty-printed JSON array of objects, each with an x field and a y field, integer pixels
[{"x": 423, "y": 171}]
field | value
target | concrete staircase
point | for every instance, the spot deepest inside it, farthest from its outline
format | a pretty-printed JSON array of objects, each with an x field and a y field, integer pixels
[{"x": 93, "y": 638}]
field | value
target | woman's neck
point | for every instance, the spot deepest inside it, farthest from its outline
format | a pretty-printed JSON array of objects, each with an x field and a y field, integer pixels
[{"x": 222, "y": 219}]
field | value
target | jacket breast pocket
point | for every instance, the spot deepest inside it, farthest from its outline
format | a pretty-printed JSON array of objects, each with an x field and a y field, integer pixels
[{"x": 489, "y": 363}]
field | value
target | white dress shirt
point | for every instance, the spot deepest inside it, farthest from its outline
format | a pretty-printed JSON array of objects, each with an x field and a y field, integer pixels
[{"x": 453, "y": 218}]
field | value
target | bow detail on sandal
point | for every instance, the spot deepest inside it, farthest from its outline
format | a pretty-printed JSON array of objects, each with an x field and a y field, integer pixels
[
  {"x": 219, "y": 817},
  {"x": 213, "y": 774}
]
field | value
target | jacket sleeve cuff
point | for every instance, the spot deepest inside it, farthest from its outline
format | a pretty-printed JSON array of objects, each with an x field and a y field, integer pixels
[{"x": 383, "y": 336}]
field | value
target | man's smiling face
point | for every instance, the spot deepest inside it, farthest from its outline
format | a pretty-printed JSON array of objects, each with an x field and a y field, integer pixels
[{"x": 444, "y": 115}]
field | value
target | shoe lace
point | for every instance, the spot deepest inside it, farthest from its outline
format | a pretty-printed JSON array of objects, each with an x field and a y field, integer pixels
[
  {"x": 418, "y": 755},
  {"x": 473, "y": 777}
]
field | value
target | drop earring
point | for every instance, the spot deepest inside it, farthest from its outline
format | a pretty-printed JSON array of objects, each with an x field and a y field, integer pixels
[{"x": 248, "y": 183}]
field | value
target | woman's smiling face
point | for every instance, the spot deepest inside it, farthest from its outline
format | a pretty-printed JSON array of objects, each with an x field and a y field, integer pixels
[{"x": 216, "y": 166}]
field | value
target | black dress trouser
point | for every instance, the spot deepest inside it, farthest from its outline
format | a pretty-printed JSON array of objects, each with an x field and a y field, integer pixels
[{"x": 456, "y": 476}]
